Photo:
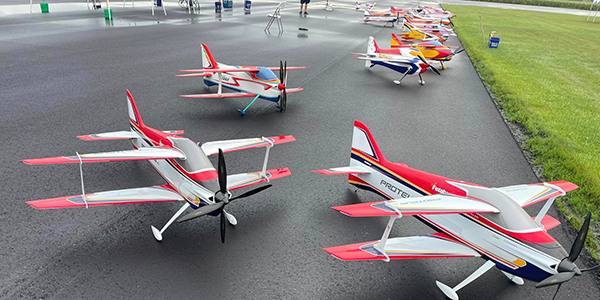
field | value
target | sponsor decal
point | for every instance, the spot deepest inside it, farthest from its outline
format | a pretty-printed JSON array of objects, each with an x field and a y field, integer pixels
[
  {"x": 385, "y": 56},
  {"x": 394, "y": 189},
  {"x": 439, "y": 189}
]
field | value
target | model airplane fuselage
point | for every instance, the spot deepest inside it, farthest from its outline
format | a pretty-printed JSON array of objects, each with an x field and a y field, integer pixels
[{"x": 470, "y": 220}]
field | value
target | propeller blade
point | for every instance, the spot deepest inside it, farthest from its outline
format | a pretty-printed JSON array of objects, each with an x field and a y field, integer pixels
[
  {"x": 222, "y": 173},
  {"x": 434, "y": 70},
  {"x": 557, "y": 289},
  {"x": 589, "y": 269},
  {"x": 204, "y": 210},
  {"x": 556, "y": 279},
  {"x": 280, "y": 70},
  {"x": 252, "y": 192},
  {"x": 285, "y": 73},
  {"x": 459, "y": 51},
  {"x": 580, "y": 240},
  {"x": 223, "y": 226}
]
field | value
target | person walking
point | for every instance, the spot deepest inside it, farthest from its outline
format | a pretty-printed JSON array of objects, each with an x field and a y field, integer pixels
[{"x": 305, "y": 3}]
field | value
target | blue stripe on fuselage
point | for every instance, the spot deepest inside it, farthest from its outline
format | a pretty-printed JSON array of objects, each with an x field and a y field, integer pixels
[{"x": 401, "y": 69}]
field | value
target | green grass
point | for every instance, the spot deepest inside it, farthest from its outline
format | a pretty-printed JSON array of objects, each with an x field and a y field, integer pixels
[
  {"x": 545, "y": 75},
  {"x": 553, "y": 3}
]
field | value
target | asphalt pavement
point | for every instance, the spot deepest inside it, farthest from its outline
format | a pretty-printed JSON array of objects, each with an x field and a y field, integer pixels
[{"x": 65, "y": 74}]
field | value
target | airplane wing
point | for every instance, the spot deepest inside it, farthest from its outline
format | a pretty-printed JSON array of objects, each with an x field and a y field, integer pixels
[
  {"x": 294, "y": 90},
  {"x": 247, "y": 69},
  {"x": 238, "y": 181},
  {"x": 403, "y": 248},
  {"x": 529, "y": 194},
  {"x": 211, "y": 148},
  {"x": 344, "y": 170},
  {"x": 228, "y": 95},
  {"x": 427, "y": 205},
  {"x": 127, "y": 196},
  {"x": 149, "y": 153},
  {"x": 287, "y": 68}
]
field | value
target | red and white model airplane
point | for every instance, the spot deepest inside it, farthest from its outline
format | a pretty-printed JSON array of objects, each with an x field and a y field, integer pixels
[
  {"x": 257, "y": 82},
  {"x": 470, "y": 220},
  {"x": 387, "y": 17},
  {"x": 190, "y": 176}
]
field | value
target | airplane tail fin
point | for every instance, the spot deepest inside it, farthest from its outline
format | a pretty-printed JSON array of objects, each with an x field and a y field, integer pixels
[
  {"x": 372, "y": 48},
  {"x": 208, "y": 62},
  {"x": 134, "y": 114},
  {"x": 396, "y": 42},
  {"x": 363, "y": 141}
]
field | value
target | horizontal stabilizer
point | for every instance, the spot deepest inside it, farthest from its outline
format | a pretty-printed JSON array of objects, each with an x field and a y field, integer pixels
[
  {"x": 211, "y": 148},
  {"x": 194, "y": 75},
  {"x": 352, "y": 170},
  {"x": 127, "y": 155},
  {"x": 549, "y": 222},
  {"x": 427, "y": 205},
  {"x": 529, "y": 194},
  {"x": 174, "y": 131},
  {"x": 238, "y": 181},
  {"x": 227, "y": 95},
  {"x": 403, "y": 248},
  {"x": 127, "y": 196},
  {"x": 117, "y": 135},
  {"x": 230, "y": 70}
]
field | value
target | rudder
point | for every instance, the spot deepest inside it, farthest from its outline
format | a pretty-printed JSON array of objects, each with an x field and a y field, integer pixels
[
  {"x": 208, "y": 62},
  {"x": 396, "y": 42},
  {"x": 363, "y": 141},
  {"x": 134, "y": 114}
]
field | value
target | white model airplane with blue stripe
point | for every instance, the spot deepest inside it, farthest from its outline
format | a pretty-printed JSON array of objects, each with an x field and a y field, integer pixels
[
  {"x": 257, "y": 82},
  {"x": 470, "y": 220}
]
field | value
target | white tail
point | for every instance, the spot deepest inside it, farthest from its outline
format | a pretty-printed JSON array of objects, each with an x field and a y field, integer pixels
[{"x": 371, "y": 49}]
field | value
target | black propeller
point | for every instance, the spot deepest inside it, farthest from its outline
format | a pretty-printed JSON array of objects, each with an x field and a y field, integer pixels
[
  {"x": 428, "y": 65},
  {"x": 223, "y": 198},
  {"x": 567, "y": 268},
  {"x": 282, "y": 86},
  {"x": 458, "y": 51}
]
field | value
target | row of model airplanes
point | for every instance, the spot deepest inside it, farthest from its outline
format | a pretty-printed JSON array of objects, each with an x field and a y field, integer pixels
[
  {"x": 423, "y": 32},
  {"x": 469, "y": 220}
]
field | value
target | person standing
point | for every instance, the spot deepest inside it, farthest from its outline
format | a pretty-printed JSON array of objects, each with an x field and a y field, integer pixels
[{"x": 305, "y": 3}]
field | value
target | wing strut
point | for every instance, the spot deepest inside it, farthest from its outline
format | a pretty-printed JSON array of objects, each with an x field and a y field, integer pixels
[
  {"x": 220, "y": 90},
  {"x": 386, "y": 233},
  {"x": 264, "y": 169},
  {"x": 81, "y": 175}
]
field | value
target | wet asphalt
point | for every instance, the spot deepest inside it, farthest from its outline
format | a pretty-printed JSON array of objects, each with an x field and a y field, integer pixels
[{"x": 65, "y": 74}]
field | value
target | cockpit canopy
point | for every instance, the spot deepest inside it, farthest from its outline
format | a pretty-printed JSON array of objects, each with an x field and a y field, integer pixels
[
  {"x": 195, "y": 160},
  {"x": 265, "y": 74}
]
